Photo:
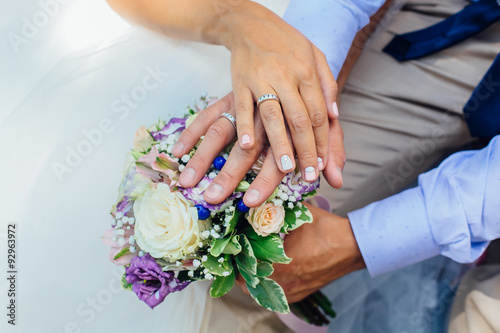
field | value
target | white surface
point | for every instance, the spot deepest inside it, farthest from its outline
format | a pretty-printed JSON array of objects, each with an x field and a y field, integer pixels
[{"x": 61, "y": 81}]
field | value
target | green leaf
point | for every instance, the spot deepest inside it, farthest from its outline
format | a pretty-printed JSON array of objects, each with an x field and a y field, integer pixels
[
  {"x": 292, "y": 222},
  {"x": 233, "y": 247},
  {"x": 309, "y": 195},
  {"x": 247, "y": 263},
  {"x": 222, "y": 285},
  {"x": 137, "y": 154},
  {"x": 125, "y": 284},
  {"x": 218, "y": 246},
  {"x": 269, "y": 295},
  {"x": 264, "y": 269},
  {"x": 217, "y": 268},
  {"x": 121, "y": 253},
  {"x": 233, "y": 222},
  {"x": 270, "y": 249}
]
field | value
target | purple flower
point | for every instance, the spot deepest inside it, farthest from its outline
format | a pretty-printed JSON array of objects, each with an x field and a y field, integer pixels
[
  {"x": 195, "y": 195},
  {"x": 299, "y": 186},
  {"x": 173, "y": 126},
  {"x": 150, "y": 283},
  {"x": 124, "y": 205}
]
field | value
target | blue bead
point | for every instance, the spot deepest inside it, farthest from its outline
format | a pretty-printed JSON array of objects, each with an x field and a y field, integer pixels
[
  {"x": 219, "y": 162},
  {"x": 203, "y": 213},
  {"x": 242, "y": 207}
]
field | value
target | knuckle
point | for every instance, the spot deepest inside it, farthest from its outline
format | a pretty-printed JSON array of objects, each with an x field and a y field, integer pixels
[
  {"x": 308, "y": 74},
  {"x": 301, "y": 123},
  {"x": 225, "y": 177},
  {"x": 270, "y": 112},
  {"x": 242, "y": 107},
  {"x": 318, "y": 118},
  {"x": 216, "y": 132},
  {"x": 309, "y": 157}
]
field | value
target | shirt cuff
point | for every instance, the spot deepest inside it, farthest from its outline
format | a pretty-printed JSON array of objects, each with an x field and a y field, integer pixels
[
  {"x": 329, "y": 25},
  {"x": 394, "y": 233}
]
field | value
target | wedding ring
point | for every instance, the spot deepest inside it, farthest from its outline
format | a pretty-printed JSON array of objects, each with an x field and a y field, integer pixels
[
  {"x": 267, "y": 97},
  {"x": 229, "y": 117}
]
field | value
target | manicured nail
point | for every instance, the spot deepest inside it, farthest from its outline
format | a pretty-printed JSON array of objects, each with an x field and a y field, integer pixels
[
  {"x": 335, "y": 109},
  {"x": 310, "y": 173},
  {"x": 178, "y": 148},
  {"x": 286, "y": 163},
  {"x": 320, "y": 164},
  {"x": 245, "y": 140},
  {"x": 252, "y": 196},
  {"x": 187, "y": 176},
  {"x": 214, "y": 191}
]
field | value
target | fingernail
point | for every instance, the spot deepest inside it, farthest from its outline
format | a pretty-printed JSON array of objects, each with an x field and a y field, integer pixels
[
  {"x": 214, "y": 191},
  {"x": 335, "y": 109},
  {"x": 286, "y": 162},
  {"x": 320, "y": 163},
  {"x": 252, "y": 195},
  {"x": 310, "y": 173},
  {"x": 187, "y": 176},
  {"x": 245, "y": 140},
  {"x": 178, "y": 147}
]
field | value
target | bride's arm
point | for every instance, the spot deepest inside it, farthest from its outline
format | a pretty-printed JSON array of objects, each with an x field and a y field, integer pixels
[
  {"x": 268, "y": 56},
  {"x": 202, "y": 21}
]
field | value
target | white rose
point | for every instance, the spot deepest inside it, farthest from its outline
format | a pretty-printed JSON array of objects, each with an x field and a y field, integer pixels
[
  {"x": 166, "y": 223},
  {"x": 267, "y": 219}
]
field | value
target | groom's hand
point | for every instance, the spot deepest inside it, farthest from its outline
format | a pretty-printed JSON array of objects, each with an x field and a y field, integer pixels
[
  {"x": 219, "y": 133},
  {"x": 321, "y": 252}
]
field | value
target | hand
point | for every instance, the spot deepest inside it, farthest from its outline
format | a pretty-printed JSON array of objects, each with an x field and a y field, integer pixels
[
  {"x": 219, "y": 133},
  {"x": 268, "y": 56},
  {"x": 321, "y": 252}
]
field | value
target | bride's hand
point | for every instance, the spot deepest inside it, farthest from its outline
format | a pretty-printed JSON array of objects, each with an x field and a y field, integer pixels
[
  {"x": 268, "y": 56},
  {"x": 219, "y": 133}
]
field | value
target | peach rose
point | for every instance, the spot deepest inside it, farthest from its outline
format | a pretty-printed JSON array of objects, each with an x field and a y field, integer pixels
[{"x": 267, "y": 219}]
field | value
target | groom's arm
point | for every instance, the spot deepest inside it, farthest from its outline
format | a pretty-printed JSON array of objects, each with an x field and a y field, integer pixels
[
  {"x": 331, "y": 25},
  {"x": 454, "y": 211}
]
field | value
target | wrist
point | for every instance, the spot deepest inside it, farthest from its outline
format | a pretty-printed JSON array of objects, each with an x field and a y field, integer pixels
[{"x": 234, "y": 22}]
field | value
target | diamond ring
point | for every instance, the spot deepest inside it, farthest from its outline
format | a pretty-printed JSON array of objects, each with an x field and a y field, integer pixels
[
  {"x": 229, "y": 117},
  {"x": 267, "y": 97}
]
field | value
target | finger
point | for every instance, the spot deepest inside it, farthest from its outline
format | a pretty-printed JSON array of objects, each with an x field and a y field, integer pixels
[
  {"x": 235, "y": 168},
  {"x": 244, "y": 106},
  {"x": 265, "y": 183},
  {"x": 274, "y": 123},
  {"x": 336, "y": 155},
  {"x": 328, "y": 84},
  {"x": 192, "y": 134},
  {"x": 315, "y": 104},
  {"x": 302, "y": 134},
  {"x": 218, "y": 136}
]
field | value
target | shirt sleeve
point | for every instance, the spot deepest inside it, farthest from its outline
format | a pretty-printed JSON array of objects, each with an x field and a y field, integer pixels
[
  {"x": 454, "y": 211},
  {"x": 331, "y": 25}
]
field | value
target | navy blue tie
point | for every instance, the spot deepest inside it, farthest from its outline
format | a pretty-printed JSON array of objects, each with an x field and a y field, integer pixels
[
  {"x": 482, "y": 111},
  {"x": 469, "y": 21}
]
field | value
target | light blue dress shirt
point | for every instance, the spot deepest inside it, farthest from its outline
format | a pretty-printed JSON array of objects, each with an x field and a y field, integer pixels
[
  {"x": 454, "y": 211},
  {"x": 331, "y": 25}
]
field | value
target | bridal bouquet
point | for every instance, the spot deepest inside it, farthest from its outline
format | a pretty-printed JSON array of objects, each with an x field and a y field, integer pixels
[{"x": 166, "y": 236}]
